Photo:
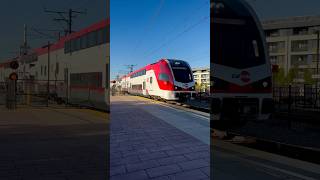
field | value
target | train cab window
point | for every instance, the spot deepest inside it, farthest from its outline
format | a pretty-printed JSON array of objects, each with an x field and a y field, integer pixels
[
  {"x": 163, "y": 77},
  {"x": 150, "y": 80},
  {"x": 255, "y": 47}
]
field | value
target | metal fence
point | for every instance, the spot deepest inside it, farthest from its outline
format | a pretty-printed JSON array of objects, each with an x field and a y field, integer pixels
[
  {"x": 31, "y": 92},
  {"x": 296, "y": 98}
]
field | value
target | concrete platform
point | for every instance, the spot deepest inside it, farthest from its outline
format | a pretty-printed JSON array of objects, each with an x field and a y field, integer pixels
[
  {"x": 53, "y": 143},
  {"x": 151, "y": 141}
]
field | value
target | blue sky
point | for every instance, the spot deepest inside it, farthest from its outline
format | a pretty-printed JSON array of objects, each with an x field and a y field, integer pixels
[{"x": 143, "y": 31}]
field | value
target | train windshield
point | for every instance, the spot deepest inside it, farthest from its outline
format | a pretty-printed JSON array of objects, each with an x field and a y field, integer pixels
[
  {"x": 237, "y": 41},
  {"x": 181, "y": 71}
]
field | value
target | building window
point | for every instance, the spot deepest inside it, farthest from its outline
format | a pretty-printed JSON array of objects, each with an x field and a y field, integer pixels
[
  {"x": 272, "y": 33},
  {"x": 300, "y": 45},
  {"x": 298, "y": 60},
  {"x": 300, "y": 31}
]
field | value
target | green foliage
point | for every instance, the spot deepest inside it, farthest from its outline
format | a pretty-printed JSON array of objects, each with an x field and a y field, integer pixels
[
  {"x": 307, "y": 76},
  {"x": 292, "y": 74},
  {"x": 280, "y": 78},
  {"x": 198, "y": 87}
]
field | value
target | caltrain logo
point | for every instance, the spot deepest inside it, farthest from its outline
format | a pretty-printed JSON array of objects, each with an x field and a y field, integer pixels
[{"x": 245, "y": 76}]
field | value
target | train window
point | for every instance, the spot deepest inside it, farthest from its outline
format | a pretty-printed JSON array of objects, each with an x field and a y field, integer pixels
[
  {"x": 150, "y": 80},
  {"x": 144, "y": 85},
  {"x": 100, "y": 36},
  {"x": 106, "y": 35},
  {"x": 77, "y": 44},
  {"x": 73, "y": 45},
  {"x": 93, "y": 38},
  {"x": 83, "y": 42},
  {"x": 67, "y": 47},
  {"x": 41, "y": 72},
  {"x": 163, "y": 77}
]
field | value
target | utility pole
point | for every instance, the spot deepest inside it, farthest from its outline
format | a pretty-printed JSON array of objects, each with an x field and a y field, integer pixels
[
  {"x": 69, "y": 19},
  {"x": 130, "y": 67},
  {"x": 317, "y": 77},
  {"x": 48, "y": 71}
]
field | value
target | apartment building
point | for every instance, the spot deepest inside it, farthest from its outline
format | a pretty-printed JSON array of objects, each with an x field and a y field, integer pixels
[
  {"x": 202, "y": 78},
  {"x": 292, "y": 43}
]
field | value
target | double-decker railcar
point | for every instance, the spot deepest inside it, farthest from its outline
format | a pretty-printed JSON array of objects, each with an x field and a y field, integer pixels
[
  {"x": 77, "y": 67},
  {"x": 241, "y": 86},
  {"x": 167, "y": 79}
]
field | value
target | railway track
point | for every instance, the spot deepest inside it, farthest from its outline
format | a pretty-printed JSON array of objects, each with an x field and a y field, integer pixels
[{"x": 308, "y": 154}]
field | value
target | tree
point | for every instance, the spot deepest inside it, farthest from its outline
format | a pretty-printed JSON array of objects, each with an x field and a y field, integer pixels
[
  {"x": 198, "y": 87},
  {"x": 292, "y": 74},
  {"x": 307, "y": 76},
  {"x": 280, "y": 78}
]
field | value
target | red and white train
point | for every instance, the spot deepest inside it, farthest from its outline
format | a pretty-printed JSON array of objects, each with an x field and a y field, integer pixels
[
  {"x": 167, "y": 79},
  {"x": 241, "y": 85},
  {"x": 77, "y": 67}
]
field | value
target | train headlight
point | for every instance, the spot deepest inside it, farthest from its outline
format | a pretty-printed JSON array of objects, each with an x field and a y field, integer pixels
[
  {"x": 265, "y": 84},
  {"x": 176, "y": 88}
]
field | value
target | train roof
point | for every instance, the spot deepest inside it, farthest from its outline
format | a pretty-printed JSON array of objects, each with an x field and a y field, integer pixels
[
  {"x": 147, "y": 67},
  {"x": 143, "y": 68},
  {"x": 231, "y": 9},
  {"x": 60, "y": 44}
]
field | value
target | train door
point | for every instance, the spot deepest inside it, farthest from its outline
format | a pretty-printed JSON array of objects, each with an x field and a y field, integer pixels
[
  {"x": 66, "y": 83},
  {"x": 144, "y": 88},
  {"x": 150, "y": 84}
]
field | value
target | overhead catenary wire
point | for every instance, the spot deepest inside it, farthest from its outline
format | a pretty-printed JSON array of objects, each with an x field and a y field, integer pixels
[
  {"x": 191, "y": 14},
  {"x": 178, "y": 35},
  {"x": 148, "y": 26}
]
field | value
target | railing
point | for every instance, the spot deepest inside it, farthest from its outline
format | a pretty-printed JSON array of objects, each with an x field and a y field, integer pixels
[{"x": 296, "y": 98}]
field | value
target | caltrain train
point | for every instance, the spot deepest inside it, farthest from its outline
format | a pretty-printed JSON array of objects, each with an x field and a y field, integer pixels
[
  {"x": 241, "y": 76},
  {"x": 77, "y": 67},
  {"x": 167, "y": 79}
]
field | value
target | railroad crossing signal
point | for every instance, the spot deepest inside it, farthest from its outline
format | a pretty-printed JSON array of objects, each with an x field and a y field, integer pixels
[
  {"x": 14, "y": 65},
  {"x": 13, "y": 76}
]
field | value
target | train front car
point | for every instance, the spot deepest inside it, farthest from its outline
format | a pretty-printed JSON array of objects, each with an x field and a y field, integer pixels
[
  {"x": 240, "y": 69},
  {"x": 183, "y": 82},
  {"x": 174, "y": 80}
]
